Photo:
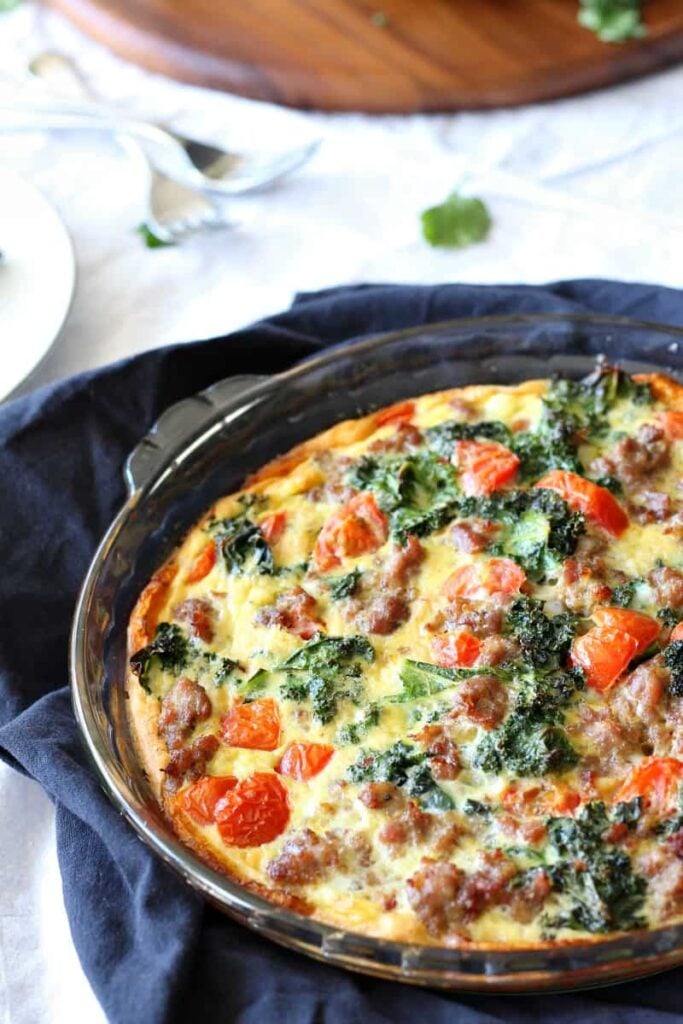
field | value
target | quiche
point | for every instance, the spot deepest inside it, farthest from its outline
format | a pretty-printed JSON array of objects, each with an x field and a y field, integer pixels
[{"x": 422, "y": 677}]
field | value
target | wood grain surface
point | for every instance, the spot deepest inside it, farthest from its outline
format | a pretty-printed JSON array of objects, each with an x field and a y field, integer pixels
[{"x": 416, "y": 55}]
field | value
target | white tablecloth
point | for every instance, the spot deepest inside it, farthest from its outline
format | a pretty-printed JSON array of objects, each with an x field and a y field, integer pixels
[{"x": 591, "y": 186}]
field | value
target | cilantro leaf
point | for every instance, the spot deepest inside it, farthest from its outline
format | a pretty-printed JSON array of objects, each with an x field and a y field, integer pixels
[
  {"x": 456, "y": 223},
  {"x": 613, "y": 21}
]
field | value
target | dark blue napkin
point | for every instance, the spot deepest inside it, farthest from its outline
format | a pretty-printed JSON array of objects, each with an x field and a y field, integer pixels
[{"x": 152, "y": 950}]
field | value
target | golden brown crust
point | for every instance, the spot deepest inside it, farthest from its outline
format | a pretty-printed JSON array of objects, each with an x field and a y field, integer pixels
[{"x": 143, "y": 709}]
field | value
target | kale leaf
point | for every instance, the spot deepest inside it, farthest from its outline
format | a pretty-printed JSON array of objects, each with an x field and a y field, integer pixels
[
  {"x": 540, "y": 529},
  {"x": 673, "y": 659},
  {"x": 418, "y": 492},
  {"x": 326, "y": 671},
  {"x": 456, "y": 223},
  {"x": 420, "y": 679},
  {"x": 623, "y": 594},
  {"x": 549, "y": 445},
  {"x": 613, "y": 21},
  {"x": 670, "y": 617},
  {"x": 588, "y": 402},
  {"x": 443, "y": 437},
  {"x": 344, "y": 586},
  {"x": 353, "y": 732},
  {"x": 243, "y": 546},
  {"x": 598, "y": 878},
  {"x": 404, "y": 766},
  {"x": 524, "y": 747},
  {"x": 544, "y": 640},
  {"x": 169, "y": 650}
]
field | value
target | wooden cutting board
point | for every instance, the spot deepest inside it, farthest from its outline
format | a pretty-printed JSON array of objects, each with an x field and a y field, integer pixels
[{"x": 379, "y": 55}]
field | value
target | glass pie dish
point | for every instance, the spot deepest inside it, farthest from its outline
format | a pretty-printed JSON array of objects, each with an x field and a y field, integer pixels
[{"x": 203, "y": 448}]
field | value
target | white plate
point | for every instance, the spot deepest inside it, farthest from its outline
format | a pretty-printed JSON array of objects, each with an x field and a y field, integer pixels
[{"x": 37, "y": 275}]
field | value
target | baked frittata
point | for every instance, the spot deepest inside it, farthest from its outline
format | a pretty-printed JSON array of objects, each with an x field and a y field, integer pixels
[{"x": 422, "y": 678}]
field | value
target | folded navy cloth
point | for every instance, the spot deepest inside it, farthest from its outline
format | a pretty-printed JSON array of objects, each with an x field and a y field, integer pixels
[{"x": 153, "y": 951}]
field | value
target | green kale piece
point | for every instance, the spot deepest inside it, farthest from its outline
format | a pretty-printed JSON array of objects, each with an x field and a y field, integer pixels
[
  {"x": 353, "y": 732},
  {"x": 549, "y": 445},
  {"x": 524, "y": 747},
  {"x": 613, "y": 21},
  {"x": 540, "y": 529},
  {"x": 673, "y": 659},
  {"x": 416, "y": 491},
  {"x": 344, "y": 586},
  {"x": 456, "y": 223},
  {"x": 476, "y": 809},
  {"x": 405, "y": 766},
  {"x": 544, "y": 640},
  {"x": 623, "y": 594},
  {"x": 326, "y": 671},
  {"x": 628, "y": 812},
  {"x": 442, "y": 438},
  {"x": 670, "y": 617},
  {"x": 420, "y": 679},
  {"x": 169, "y": 650},
  {"x": 606, "y": 895},
  {"x": 243, "y": 546},
  {"x": 588, "y": 402}
]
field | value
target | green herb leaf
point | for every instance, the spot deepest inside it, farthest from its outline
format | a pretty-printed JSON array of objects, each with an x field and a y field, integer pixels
[
  {"x": 544, "y": 640},
  {"x": 599, "y": 879},
  {"x": 169, "y": 650},
  {"x": 613, "y": 21},
  {"x": 456, "y": 223},
  {"x": 145, "y": 232},
  {"x": 341, "y": 587},
  {"x": 326, "y": 671},
  {"x": 243, "y": 546}
]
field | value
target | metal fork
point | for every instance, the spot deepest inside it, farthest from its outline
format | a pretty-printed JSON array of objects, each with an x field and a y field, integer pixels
[
  {"x": 198, "y": 163},
  {"x": 174, "y": 211}
]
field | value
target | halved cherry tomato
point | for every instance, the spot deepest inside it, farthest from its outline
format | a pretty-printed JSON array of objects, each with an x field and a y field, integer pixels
[
  {"x": 642, "y": 628},
  {"x": 454, "y": 650},
  {"x": 603, "y": 654},
  {"x": 672, "y": 424},
  {"x": 301, "y": 761},
  {"x": 677, "y": 632},
  {"x": 596, "y": 503},
  {"x": 476, "y": 581},
  {"x": 355, "y": 529},
  {"x": 657, "y": 780},
  {"x": 200, "y": 799},
  {"x": 273, "y": 526},
  {"x": 203, "y": 563},
  {"x": 484, "y": 466},
  {"x": 254, "y": 726},
  {"x": 401, "y": 412},
  {"x": 256, "y": 811}
]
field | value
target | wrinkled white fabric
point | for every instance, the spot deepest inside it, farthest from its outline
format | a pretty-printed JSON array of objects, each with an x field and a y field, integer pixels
[{"x": 591, "y": 186}]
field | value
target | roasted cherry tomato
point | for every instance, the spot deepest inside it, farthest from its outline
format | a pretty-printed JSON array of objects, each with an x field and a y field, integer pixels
[
  {"x": 657, "y": 780},
  {"x": 402, "y": 412},
  {"x": 301, "y": 761},
  {"x": 355, "y": 529},
  {"x": 273, "y": 526},
  {"x": 677, "y": 633},
  {"x": 203, "y": 563},
  {"x": 642, "y": 628},
  {"x": 254, "y": 812},
  {"x": 597, "y": 503},
  {"x": 200, "y": 799},
  {"x": 476, "y": 581},
  {"x": 255, "y": 726},
  {"x": 456, "y": 650},
  {"x": 485, "y": 466},
  {"x": 603, "y": 654},
  {"x": 672, "y": 424}
]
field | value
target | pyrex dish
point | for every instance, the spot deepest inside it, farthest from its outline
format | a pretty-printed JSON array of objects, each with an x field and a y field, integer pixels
[{"x": 203, "y": 448}]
